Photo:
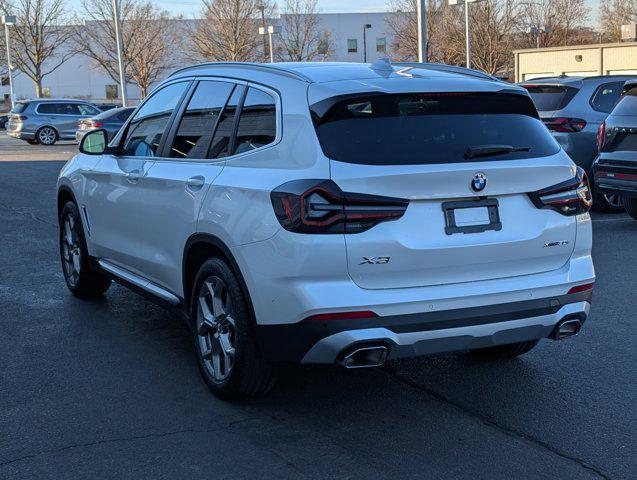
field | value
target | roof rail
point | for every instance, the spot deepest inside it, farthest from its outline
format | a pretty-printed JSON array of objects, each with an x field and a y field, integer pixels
[
  {"x": 270, "y": 68},
  {"x": 447, "y": 68}
]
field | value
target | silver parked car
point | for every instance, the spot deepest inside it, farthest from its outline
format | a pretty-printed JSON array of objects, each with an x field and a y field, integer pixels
[
  {"x": 573, "y": 108},
  {"x": 46, "y": 121},
  {"x": 110, "y": 120}
]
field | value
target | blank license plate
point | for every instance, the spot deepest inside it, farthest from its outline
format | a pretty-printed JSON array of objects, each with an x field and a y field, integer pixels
[{"x": 466, "y": 217}]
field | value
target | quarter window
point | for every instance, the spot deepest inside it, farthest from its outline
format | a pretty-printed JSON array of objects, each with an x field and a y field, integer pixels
[
  {"x": 606, "y": 96},
  {"x": 149, "y": 123},
  {"x": 257, "y": 124},
  {"x": 198, "y": 122},
  {"x": 220, "y": 146}
]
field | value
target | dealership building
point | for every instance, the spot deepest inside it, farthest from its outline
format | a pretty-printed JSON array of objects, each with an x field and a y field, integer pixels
[{"x": 580, "y": 60}]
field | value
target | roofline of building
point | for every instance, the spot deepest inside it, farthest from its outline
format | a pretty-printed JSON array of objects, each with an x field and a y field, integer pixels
[{"x": 590, "y": 46}]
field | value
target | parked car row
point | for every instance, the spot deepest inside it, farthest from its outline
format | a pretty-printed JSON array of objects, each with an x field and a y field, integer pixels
[
  {"x": 615, "y": 169},
  {"x": 573, "y": 109},
  {"x": 45, "y": 121}
]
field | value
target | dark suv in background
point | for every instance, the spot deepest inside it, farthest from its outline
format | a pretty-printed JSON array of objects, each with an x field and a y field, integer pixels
[
  {"x": 615, "y": 169},
  {"x": 573, "y": 108}
]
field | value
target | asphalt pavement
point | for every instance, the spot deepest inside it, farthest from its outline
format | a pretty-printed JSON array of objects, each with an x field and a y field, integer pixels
[{"x": 109, "y": 388}]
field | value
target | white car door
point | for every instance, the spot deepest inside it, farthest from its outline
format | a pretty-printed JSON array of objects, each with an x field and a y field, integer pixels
[
  {"x": 176, "y": 184},
  {"x": 114, "y": 200}
]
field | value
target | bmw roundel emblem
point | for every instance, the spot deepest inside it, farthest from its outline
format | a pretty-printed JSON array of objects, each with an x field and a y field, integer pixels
[{"x": 479, "y": 182}]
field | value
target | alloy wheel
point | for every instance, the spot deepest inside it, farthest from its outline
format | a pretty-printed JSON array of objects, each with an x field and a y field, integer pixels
[
  {"x": 71, "y": 253},
  {"x": 46, "y": 136},
  {"x": 216, "y": 330}
]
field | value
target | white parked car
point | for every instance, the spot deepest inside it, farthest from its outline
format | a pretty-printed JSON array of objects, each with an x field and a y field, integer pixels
[{"x": 334, "y": 213}]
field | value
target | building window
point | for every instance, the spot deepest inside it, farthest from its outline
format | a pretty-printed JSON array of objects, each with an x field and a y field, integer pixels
[
  {"x": 112, "y": 92},
  {"x": 352, "y": 45},
  {"x": 381, "y": 45}
]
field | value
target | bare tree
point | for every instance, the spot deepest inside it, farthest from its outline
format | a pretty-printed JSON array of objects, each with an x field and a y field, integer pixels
[
  {"x": 149, "y": 40},
  {"x": 559, "y": 22},
  {"x": 403, "y": 26},
  {"x": 228, "y": 30},
  {"x": 39, "y": 38},
  {"x": 615, "y": 13},
  {"x": 302, "y": 38}
]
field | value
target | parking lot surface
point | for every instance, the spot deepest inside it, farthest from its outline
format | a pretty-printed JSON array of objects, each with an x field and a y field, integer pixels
[{"x": 109, "y": 388}]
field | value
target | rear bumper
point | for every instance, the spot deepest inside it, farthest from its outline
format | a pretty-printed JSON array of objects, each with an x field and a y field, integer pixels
[
  {"x": 21, "y": 135},
  {"x": 312, "y": 341},
  {"x": 615, "y": 176}
]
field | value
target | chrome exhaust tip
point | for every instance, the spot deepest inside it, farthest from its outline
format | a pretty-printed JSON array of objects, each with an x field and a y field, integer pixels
[
  {"x": 566, "y": 328},
  {"x": 364, "y": 357}
]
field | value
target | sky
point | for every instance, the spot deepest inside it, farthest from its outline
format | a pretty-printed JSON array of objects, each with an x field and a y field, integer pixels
[{"x": 189, "y": 8}]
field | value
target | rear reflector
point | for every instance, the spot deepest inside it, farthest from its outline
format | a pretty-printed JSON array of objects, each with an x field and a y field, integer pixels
[
  {"x": 321, "y": 317},
  {"x": 581, "y": 288}
]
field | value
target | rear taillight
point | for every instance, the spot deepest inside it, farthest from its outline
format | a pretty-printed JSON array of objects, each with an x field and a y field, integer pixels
[
  {"x": 601, "y": 134},
  {"x": 21, "y": 118},
  {"x": 320, "y": 206},
  {"x": 97, "y": 124},
  {"x": 571, "y": 197},
  {"x": 565, "y": 125}
]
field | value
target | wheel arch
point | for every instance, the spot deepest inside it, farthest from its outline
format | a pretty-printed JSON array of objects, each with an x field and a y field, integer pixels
[
  {"x": 64, "y": 195},
  {"x": 199, "y": 248}
]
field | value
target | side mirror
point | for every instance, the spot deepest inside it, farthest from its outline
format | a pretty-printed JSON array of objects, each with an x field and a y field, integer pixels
[{"x": 94, "y": 142}]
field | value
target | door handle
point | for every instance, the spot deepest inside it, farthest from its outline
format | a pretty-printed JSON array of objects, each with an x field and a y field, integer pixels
[
  {"x": 133, "y": 177},
  {"x": 195, "y": 183}
]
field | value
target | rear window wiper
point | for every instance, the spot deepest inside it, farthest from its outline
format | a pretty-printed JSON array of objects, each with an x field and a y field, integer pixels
[{"x": 487, "y": 150}]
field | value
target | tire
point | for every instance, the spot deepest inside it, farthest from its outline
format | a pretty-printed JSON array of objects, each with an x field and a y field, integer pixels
[
  {"x": 607, "y": 203},
  {"x": 244, "y": 373},
  {"x": 79, "y": 278},
  {"x": 631, "y": 206},
  {"x": 504, "y": 351},
  {"x": 47, "y": 136}
]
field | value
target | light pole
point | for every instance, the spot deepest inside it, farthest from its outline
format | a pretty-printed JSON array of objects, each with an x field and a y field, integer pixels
[
  {"x": 365, "y": 28},
  {"x": 422, "y": 32},
  {"x": 270, "y": 30},
  {"x": 538, "y": 31},
  {"x": 120, "y": 53},
  {"x": 261, "y": 8},
  {"x": 467, "y": 20},
  {"x": 6, "y": 21}
]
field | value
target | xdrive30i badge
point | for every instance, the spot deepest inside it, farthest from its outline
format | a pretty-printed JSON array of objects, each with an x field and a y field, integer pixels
[{"x": 478, "y": 182}]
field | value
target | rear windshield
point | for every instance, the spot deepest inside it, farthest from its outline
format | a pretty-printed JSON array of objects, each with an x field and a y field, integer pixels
[
  {"x": 121, "y": 114},
  {"x": 627, "y": 104},
  {"x": 19, "y": 107},
  {"x": 424, "y": 128},
  {"x": 550, "y": 97}
]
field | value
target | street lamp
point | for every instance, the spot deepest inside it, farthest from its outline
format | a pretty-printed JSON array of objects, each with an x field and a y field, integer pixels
[
  {"x": 8, "y": 20},
  {"x": 422, "y": 31},
  {"x": 537, "y": 31},
  {"x": 270, "y": 30},
  {"x": 467, "y": 21},
  {"x": 120, "y": 53},
  {"x": 365, "y": 28}
]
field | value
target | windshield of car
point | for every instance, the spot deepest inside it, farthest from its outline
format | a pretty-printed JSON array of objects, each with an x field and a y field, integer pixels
[
  {"x": 430, "y": 128},
  {"x": 551, "y": 97}
]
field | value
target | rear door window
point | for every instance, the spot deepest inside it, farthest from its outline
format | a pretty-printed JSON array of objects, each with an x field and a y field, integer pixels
[
  {"x": 197, "y": 125},
  {"x": 257, "y": 123},
  {"x": 49, "y": 109},
  {"x": 147, "y": 127},
  {"x": 551, "y": 97},
  {"x": 430, "y": 128},
  {"x": 606, "y": 96},
  {"x": 221, "y": 142}
]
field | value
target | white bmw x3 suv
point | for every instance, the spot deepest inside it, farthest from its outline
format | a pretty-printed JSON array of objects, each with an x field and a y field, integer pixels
[{"x": 334, "y": 213}]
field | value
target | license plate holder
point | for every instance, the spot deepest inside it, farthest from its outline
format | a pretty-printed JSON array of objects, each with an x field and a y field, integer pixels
[{"x": 451, "y": 225}]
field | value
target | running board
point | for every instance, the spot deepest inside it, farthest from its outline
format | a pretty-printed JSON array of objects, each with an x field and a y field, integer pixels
[{"x": 140, "y": 282}]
